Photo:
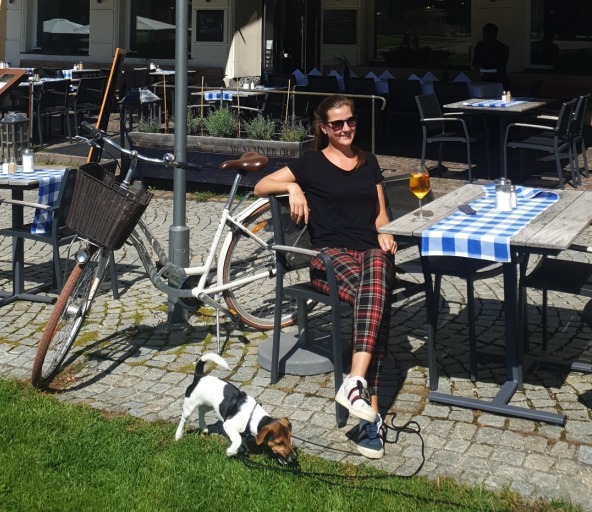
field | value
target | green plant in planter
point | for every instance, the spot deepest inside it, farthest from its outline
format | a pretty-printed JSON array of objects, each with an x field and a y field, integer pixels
[
  {"x": 195, "y": 123},
  {"x": 149, "y": 125},
  {"x": 259, "y": 128},
  {"x": 293, "y": 132},
  {"x": 221, "y": 123}
]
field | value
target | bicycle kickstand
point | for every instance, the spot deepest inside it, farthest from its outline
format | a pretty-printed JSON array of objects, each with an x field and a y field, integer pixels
[{"x": 217, "y": 298}]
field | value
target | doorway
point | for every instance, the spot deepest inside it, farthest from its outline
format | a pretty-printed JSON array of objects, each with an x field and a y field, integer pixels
[{"x": 291, "y": 39}]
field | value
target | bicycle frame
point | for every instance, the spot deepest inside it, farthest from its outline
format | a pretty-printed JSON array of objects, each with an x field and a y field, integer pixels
[
  {"x": 181, "y": 287},
  {"x": 202, "y": 289}
]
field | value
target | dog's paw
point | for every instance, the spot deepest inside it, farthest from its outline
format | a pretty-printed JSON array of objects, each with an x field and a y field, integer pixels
[{"x": 231, "y": 452}]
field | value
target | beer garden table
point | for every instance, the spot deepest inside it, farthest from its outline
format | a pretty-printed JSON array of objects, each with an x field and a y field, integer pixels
[{"x": 552, "y": 231}]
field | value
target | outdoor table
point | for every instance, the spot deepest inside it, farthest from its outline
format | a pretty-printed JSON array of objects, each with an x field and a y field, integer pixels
[
  {"x": 76, "y": 74},
  {"x": 502, "y": 110},
  {"x": 48, "y": 183},
  {"x": 552, "y": 231},
  {"x": 164, "y": 73},
  {"x": 228, "y": 95}
]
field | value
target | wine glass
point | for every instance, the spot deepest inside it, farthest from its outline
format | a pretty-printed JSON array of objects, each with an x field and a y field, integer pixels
[{"x": 419, "y": 183}]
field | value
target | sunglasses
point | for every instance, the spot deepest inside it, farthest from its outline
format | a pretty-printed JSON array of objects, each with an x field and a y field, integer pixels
[{"x": 337, "y": 126}]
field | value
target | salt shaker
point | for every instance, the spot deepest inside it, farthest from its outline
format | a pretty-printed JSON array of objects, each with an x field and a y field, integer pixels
[
  {"x": 5, "y": 166},
  {"x": 28, "y": 162},
  {"x": 503, "y": 195}
]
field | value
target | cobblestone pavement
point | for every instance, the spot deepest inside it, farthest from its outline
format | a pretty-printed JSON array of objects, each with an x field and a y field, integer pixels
[{"x": 129, "y": 359}]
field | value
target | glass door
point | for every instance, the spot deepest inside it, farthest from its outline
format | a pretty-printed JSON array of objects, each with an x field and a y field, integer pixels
[{"x": 290, "y": 36}]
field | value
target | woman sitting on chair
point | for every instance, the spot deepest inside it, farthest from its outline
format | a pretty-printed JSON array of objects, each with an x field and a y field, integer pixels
[{"x": 343, "y": 207}]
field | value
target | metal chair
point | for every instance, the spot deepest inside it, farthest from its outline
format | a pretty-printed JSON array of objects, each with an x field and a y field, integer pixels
[
  {"x": 451, "y": 92},
  {"x": 401, "y": 101},
  {"x": 292, "y": 247},
  {"x": 88, "y": 99},
  {"x": 555, "y": 140},
  {"x": 320, "y": 83},
  {"x": 51, "y": 101},
  {"x": 558, "y": 275},
  {"x": 59, "y": 234},
  {"x": 577, "y": 135},
  {"x": 323, "y": 83},
  {"x": 440, "y": 128},
  {"x": 360, "y": 85}
]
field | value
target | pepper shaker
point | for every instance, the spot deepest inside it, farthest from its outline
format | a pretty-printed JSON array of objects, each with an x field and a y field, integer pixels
[{"x": 12, "y": 166}]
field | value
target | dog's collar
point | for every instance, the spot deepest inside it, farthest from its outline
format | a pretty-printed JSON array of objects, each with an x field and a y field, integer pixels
[{"x": 254, "y": 431}]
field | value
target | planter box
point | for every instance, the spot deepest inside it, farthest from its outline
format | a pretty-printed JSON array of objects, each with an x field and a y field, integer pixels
[{"x": 210, "y": 152}]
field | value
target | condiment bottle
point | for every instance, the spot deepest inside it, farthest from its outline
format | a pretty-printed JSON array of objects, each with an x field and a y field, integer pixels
[
  {"x": 28, "y": 161},
  {"x": 5, "y": 166},
  {"x": 12, "y": 166},
  {"x": 503, "y": 195}
]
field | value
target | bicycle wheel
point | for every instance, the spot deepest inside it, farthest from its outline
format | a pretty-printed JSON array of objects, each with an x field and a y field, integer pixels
[
  {"x": 67, "y": 317},
  {"x": 255, "y": 302}
]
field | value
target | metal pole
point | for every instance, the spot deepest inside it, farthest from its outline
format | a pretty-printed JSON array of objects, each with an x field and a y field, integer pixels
[{"x": 178, "y": 231}]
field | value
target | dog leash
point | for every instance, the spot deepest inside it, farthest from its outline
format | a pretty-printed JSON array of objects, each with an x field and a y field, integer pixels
[{"x": 411, "y": 427}]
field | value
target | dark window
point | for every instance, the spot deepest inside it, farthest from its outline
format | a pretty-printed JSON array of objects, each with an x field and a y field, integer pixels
[
  {"x": 424, "y": 33},
  {"x": 152, "y": 28},
  {"x": 562, "y": 35},
  {"x": 339, "y": 26},
  {"x": 63, "y": 27}
]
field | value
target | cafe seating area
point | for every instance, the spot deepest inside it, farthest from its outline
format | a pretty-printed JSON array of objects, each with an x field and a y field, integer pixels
[{"x": 464, "y": 359}]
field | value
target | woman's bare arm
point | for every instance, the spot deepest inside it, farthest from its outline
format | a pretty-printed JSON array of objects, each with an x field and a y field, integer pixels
[
  {"x": 283, "y": 181},
  {"x": 387, "y": 242}
]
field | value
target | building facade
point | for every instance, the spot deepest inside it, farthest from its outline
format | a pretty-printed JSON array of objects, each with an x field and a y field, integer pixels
[{"x": 255, "y": 37}]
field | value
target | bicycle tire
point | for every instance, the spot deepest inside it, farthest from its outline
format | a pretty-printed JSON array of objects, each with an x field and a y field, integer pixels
[
  {"x": 255, "y": 302},
  {"x": 66, "y": 319}
]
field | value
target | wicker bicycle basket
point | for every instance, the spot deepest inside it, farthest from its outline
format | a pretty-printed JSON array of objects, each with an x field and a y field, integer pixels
[{"x": 103, "y": 211}]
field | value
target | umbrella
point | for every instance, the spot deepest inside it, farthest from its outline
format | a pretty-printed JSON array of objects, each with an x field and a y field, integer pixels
[
  {"x": 150, "y": 24},
  {"x": 83, "y": 29},
  {"x": 61, "y": 26}
]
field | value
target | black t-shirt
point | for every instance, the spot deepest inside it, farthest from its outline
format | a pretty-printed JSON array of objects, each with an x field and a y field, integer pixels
[
  {"x": 342, "y": 203},
  {"x": 491, "y": 55}
]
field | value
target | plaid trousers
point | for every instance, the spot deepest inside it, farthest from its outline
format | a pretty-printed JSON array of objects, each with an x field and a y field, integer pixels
[{"x": 364, "y": 280}]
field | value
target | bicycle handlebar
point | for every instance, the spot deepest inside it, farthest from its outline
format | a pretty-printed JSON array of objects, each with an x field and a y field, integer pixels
[{"x": 98, "y": 136}]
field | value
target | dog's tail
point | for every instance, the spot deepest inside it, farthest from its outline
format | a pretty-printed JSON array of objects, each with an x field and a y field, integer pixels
[{"x": 210, "y": 356}]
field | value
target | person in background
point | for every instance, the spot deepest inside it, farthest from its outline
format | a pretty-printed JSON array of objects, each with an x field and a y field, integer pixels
[
  {"x": 491, "y": 57},
  {"x": 337, "y": 191}
]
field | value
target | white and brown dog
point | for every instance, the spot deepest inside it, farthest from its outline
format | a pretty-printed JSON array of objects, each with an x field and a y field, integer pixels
[{"x": 239, "y": 413}]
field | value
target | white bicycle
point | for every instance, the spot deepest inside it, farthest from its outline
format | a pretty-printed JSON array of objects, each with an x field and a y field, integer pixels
[{"x": 244, "y": 277}]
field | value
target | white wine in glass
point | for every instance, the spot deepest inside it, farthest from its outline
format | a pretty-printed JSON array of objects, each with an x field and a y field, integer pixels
[{"x": 419, "y": 183}]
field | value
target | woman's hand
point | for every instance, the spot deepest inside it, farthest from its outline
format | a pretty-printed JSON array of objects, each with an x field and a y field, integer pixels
[
  {"x": 387, "y": 243},
  {"x": 298, "y": 204}
]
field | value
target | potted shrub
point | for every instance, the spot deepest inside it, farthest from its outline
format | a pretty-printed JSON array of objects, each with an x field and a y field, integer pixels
[{"x": 216, "y": 138}]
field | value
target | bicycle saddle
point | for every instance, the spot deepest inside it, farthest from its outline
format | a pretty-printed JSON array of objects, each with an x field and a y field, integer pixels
[{"x": 250, "y": 162}]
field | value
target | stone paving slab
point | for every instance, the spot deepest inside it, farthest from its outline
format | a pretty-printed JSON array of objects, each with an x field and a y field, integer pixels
[{"x": 131, "y": 360}]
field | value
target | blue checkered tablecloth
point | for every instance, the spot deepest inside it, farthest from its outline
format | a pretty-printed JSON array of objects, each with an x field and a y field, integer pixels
[
  {"x": 49, "y": 187},
  {"x": 67, "y": 73},
  {"x": 494, "y": 103},
  {"x": 487, "y": 234},
  {"x": 216, "y": 95}
]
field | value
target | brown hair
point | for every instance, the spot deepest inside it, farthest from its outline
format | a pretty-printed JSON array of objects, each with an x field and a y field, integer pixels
[{"x": 321, "y": 140}]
